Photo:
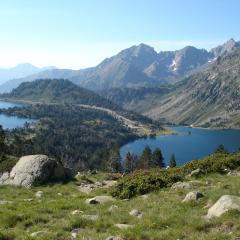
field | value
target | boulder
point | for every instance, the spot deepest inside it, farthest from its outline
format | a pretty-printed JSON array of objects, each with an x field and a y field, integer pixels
[
  {"x": 181, "y": 185},
  {"x": 193, "y": 196},
  {"x": 224, "y": 204},
  {"x": 100, "y": 199},
  {"x": 35, "y": 170}
]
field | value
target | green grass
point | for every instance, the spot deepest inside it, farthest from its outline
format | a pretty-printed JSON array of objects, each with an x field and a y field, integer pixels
[{"x": 164, "y": 215}]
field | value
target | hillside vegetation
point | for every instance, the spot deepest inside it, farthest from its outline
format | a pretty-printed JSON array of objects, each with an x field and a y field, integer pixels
[{"x": 61, "y": 212}]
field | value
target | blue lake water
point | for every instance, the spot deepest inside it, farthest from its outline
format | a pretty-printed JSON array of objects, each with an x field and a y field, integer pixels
[
  {"x": 11, "y": 122},
  {"x": 185, "y": 146}
]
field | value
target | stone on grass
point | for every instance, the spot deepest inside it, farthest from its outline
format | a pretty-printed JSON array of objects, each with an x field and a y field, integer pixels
[
  {"x": 223, "y": 205},
  {"x": 35, "y": 234},
  {"x": 112, "y": 208},
  {"x": 39, "y": 194},
  {"x": 74, "y": 232},
  {"x": 114, "y": 238},
  {"x": 193, "y": 196},
  {"x": 181, "y": 185},
  {"x": 196, "y": 173},
  {"x": 2, "y": 202},
  {"x": 109, "y": 183},
  {"x": 76, "y": 212},
  {"x": 123, "y": 226},
  {"x": 34, "y": 170},
  {"x": 90, "y": 217},
  {"x": 234, "y": 173},
  {"x": 135, "y": 213},
  {"x": 100, "y": 200}
]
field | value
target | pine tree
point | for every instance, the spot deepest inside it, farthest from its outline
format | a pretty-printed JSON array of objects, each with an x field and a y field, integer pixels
[
  {"x": 129, "y": 163},
  {"x": 172, "y": 162},
  {"x": 157, "y": 158},
  {"x": 146, "y": 158},
  {"x": 115, "y": 160},
  {"x": 221, "y": 149}
]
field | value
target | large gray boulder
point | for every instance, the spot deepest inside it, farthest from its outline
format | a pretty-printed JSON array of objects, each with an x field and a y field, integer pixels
[
  {"x": 224, "y": 204},
  {"x": 35, "y": 170}
]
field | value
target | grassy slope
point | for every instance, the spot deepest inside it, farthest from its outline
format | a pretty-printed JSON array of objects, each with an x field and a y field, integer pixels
[{"x": 164, "y": 216}]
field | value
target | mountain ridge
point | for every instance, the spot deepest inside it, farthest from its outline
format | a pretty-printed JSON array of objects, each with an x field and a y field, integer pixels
[{"x": 136, "y": 66}]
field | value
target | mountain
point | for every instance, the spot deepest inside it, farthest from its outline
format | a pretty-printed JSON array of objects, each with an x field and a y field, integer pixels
[
  {"x": 208, "y": 98},
  {"x": 135, "y": 99},
  {"x": 19, "y": 71},
  {"x": 228, "y": 47},
  {"x": 57, "y": 91},
  {"x": 137, "y": 66}
]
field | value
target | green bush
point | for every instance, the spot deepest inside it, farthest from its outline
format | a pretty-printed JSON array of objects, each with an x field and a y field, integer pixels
[{"x": 142, "y": 182}]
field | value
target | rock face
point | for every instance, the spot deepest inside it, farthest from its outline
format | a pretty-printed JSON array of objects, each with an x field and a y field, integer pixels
[
  {"x": 224, "y": 204},
  {"x": 192, "y": 196},
  {"x": 34, "y": 170}
]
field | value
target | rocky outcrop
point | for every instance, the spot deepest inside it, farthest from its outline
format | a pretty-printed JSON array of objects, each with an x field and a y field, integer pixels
[
  {"x": 224, "y": 204},
  {"x": 35, "y": 170}
]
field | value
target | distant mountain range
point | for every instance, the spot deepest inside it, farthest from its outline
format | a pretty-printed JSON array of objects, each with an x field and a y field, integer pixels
[
  {"x": 20, "y": 71},
  {"x": 137, "y": 66}
]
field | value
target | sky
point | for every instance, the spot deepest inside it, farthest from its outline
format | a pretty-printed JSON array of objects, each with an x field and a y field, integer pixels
[{"x": 78, "y": 34}]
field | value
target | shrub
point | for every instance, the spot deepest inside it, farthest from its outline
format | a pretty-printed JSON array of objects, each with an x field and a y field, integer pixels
[
  {"x": 142, "y": 182},
  {"x": 7, "y": 163}
]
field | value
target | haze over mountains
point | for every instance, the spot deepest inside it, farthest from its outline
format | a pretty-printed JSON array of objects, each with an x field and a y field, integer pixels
[
  {"x": 137, "y": 66},
  {"x": 20, "y": 71}
]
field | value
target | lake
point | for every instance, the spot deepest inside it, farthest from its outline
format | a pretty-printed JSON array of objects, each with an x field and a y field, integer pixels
[
  {"x": 185, "y": 146},
  {"x": 8, "y": 122}
]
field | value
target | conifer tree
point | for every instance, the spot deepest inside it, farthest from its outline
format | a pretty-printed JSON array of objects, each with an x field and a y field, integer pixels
[
  {"x": 129, "y": 163},
  {"x": 146, "y": 158},
  {"x": 157, "y": 158},
  {"x": 115, "y": 160},
  {"x": 172, "y": 162}
]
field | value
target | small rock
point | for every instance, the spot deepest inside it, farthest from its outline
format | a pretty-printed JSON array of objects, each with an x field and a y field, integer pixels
[
  {"x": 100, "y": 199},
  {"x": 74, "y": 232},
  {"x": 193, "y": 196},
  {"x": 109, "y": 183},
  {"x": 224, "y": 204},
  {"x": 76, "y": 212},
  {"x": 112, "y": 208},
  {"x": 59, "y": 194},
  {"x": 35, "y": 234},
  {"x": 196, "y": 173},
  {"x": 145, "y": 196},
  {"x": 114, "y": 238},
  {"x": 123, "y": 226},
  {"x": 90, "y": 217},
  {"x": 28, "y": 200},
  {"x": 39, "y": 194},
  {"x": 135, "y": 213},
  {"x": 181, "y": 185},
  {"x": 234, "y": 173},
  {"x": 2, "y": 202}
]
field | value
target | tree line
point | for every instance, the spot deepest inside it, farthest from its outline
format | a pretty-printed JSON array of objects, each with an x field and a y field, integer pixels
[{"x": 148, "y": 159}]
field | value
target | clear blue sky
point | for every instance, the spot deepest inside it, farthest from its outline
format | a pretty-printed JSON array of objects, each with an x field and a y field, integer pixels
[{"x": 80, "y": 33}]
